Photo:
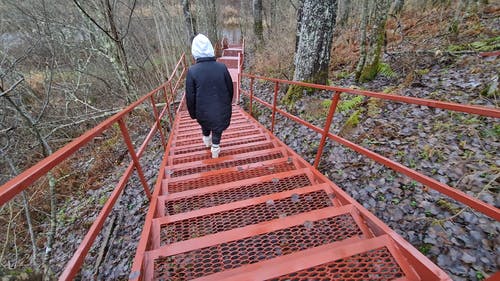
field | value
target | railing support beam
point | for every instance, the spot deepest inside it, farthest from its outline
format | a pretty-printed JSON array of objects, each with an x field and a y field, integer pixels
[
  {"x": 131, "y": 150},
  {"x": 251, "y": 96},
  {"x": 275, "y": 100},
  {"x": 329, "y": 118},
  {"x": 158, "y": 122}
]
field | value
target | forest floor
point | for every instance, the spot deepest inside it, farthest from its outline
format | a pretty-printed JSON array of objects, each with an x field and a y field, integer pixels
[{"x": 458, "y": 149}]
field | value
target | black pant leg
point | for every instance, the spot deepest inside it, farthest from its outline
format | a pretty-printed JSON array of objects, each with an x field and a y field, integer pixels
[
  {"x": 216, "y": 137},
  {"x": 205, "y": 132}
]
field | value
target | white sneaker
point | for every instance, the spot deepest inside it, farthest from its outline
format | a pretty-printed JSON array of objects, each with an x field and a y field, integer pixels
[
  {"x": 207, "y": 141},
  {"x": 215, "y": 150}
]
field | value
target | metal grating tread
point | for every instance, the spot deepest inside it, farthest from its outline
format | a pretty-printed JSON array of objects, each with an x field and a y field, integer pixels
[
  {"x": 260, "y": 212},
  {"x": 236, "y": 194},
  {"x": 210, "y": 260},
  {"x": 227, "y": 136},
  {"x": 226, "y": 164},
  {"x": 225, "y": 152},
  {"x": 224, "y": 143},
  {"x": 253, "y": 214},
  {"x": 230, "y": 176},
  {"x": 377, "y": 264}
]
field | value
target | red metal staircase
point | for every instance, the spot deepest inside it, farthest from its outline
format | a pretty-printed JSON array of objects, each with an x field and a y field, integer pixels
[{"x": 260, "y": 212}]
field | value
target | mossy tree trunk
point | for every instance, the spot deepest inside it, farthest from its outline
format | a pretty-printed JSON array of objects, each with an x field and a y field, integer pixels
[
  {"x": 258, "y": 27},
  {"x": 299, "y": 24},
  {"x": 213, "y": 33},
  {"x": 397, "y": 7},
  {"x": 376, "y": 41},
  {"x": 313, "y": 50},
  {"x": 312, "y": 57},
  {"x": 362, "y": 41},
  {"x": 343, "y": 13},
  {"x": 190, "y": 21}
]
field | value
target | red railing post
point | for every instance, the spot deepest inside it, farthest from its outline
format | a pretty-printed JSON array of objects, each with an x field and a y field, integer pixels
[
  {"x": 170, "y": 118},
  {"x": 275, "y": 98},
  {"x": 324, "y": 134},
  {"x": 131, "y": 150},
  {"x": 158, "y": 122},
  {"x": 251, "y": 96}
]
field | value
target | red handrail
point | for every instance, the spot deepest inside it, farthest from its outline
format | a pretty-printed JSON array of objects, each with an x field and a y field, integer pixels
[
  {"x": 28, "y": 177},
  {"x": 458, "y": 195}
]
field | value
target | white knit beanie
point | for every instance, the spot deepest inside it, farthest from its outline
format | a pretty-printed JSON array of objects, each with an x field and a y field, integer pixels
[{"x": 201, "y": 47}]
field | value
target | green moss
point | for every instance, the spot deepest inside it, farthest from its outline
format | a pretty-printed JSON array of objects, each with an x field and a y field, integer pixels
[
  {"x": 294, "y": 94},
  {"x": 342, "y": 75},
  {"x": 349, "y": 104},
  {"x": 425, "y": 248},
  {"x": 326, "y": 104},
  {"x": 386, "y": 70},
  {"x": 353, "y": 120},
  {"x": 422, "y": 71},
  {"x": 448, "y": 206},
  {"x": 487, "y": 45},
  {"x": 369, "y": 73}
]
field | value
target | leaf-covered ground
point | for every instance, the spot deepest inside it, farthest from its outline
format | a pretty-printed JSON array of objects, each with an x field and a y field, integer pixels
[{"x": 458, "y": 149}]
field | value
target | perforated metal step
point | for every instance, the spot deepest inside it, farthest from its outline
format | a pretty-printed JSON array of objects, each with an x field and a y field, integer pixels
[
  {"x": 260, "y": 212},
  {"x": 249, "y": 212},
  {"x": 233, "y": 254},
  {"x": 269, "y": 185}
]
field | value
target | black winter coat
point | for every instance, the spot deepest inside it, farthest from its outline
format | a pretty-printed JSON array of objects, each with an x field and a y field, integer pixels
[{"x": 209, "y": 94}]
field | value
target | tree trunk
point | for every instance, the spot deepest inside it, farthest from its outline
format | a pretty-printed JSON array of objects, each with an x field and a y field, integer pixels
[
  {"x": 343, "y": 12},
  {"x": 317, "y": 22},
  {"x": 313, "y": 53},
  {"x": 376, "y": 41},
  {"x": 362, "y": 41},
  {"x": 258, "y": 27},
  {"x": 274, "y": 15},
  {"x": 190, "y": 21},
  {"x": 212, "y": 22},
  {"x": 397, "y": 7},
  {"x": 299, "y": 24},
  {"x": 120, "y": 53}
]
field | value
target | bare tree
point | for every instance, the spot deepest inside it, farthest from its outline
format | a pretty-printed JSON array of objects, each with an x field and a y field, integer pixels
[
  {"x": 112, "y": 38},
  {"x": 343, "y": 13},
  {"x": 369, "y": 68},
  {"x": 362, "y": 41},
  {"x": 313, "y": 50},
  {"x": 213, "y": 33},
  {"x": 397, "y": 7},
  {"x": 258, "y": 27},
  {"x": 190, "y": 21}
]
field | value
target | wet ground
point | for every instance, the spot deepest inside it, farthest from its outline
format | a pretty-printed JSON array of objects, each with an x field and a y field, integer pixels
[{"x": 458, "y": 149}]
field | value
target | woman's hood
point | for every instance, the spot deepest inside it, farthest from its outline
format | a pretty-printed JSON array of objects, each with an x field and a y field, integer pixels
[{"x": 201, "y": 47}]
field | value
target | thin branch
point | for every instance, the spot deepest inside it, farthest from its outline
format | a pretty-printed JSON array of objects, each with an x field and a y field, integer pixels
[
  {"x": 11, "y": 88},
  {"x": 93, "y": 21},
  {"x": 106, "y": 114},
  {"x": 129, "y": 21}
]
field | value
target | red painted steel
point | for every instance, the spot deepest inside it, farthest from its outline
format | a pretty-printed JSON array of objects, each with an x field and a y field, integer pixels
[
  {"x": 28, "y": 177},
  {"x": 259, "y": 211},
  {"x": 480, "y": 110},
  {"x": 458, "y": 195},
  {"x": 329, "y": 118},
  {"x": 135, "y": 159}
]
